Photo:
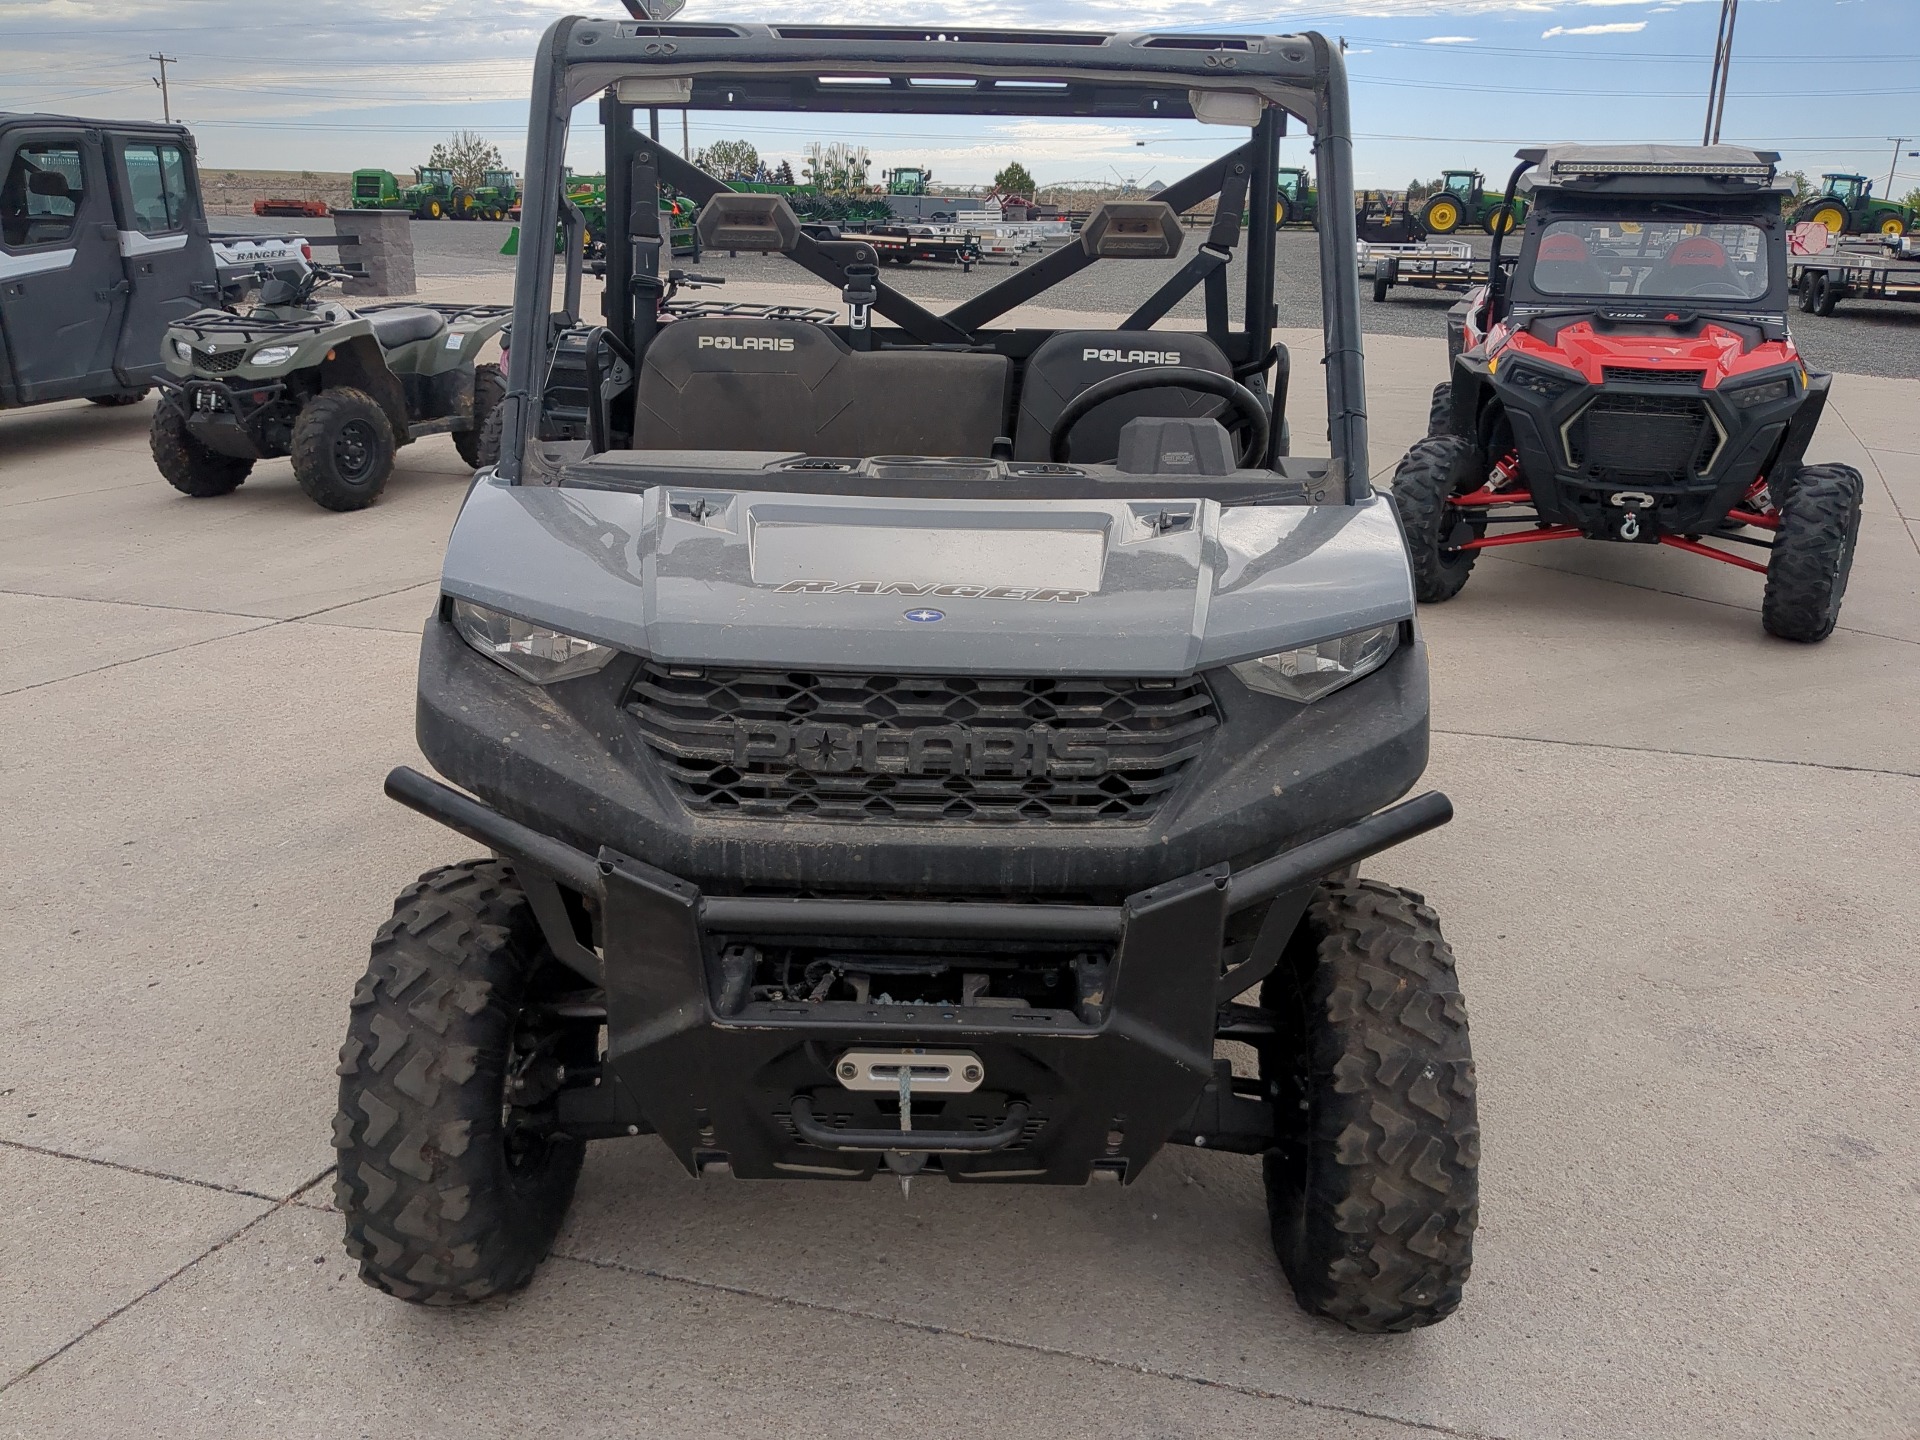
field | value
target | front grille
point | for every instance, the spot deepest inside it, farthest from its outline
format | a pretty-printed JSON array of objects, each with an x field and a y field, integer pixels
[
  {"x": 219, "y": 362},
  {"x": 883, "y": 749},
  {"x": 1631, "y": 375},
  {"x": 1647, "y": 435}
]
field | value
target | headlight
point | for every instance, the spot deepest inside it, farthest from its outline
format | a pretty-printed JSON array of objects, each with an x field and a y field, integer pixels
[
  {"x": 1312, "y": 671},
  {"x": 274, "y": 354},
  {"x": 1766, "y": 392},
  {"x": 1536, "y": 380},
  {"x": 533, "y": 652},
  {"x": 183, "y": 350}
]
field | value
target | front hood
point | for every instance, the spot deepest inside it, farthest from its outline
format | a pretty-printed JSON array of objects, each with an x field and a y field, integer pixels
[{"x": 1086, "y": 587}]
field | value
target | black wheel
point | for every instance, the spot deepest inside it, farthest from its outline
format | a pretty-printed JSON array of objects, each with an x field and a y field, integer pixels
[
  {"x": 1806, "y": 290},
  {"x": 119, "y": 398},
  {"x": 489, "y": 389},
  {"x": 1812, "y": 553},
  {"x": 1381, "y": 282},
  {"x": 190, "y": 467},
  {"x": 1435, "y": 468},
  {"x": 1826, "y": 293},
  {"x": 451, "y": 1178},
  {"x": 1440, "y": 409},
  {"x": 1373, "y": 1188},
  {"x": 343, "y": 449}
]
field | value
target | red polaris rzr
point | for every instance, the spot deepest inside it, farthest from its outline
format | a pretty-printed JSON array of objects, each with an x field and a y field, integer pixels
[{"x": 1630, "y": 377}]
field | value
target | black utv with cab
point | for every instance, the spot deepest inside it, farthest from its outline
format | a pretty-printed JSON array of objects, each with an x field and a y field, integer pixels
[
  {"x": 906, "y": 741},
  {"x": 1630, "y": 377}
]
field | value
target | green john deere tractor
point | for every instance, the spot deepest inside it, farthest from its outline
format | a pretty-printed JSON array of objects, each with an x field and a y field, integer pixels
[
  {"x": 1297, "y": 202},
  {"x": 908, "y": 180},
  {"x": 1464, "y": 199},
  {"x": 434, "y": 196},
  {"x": 1847, "y": 206},
  {"x": 496, "y": 194}
]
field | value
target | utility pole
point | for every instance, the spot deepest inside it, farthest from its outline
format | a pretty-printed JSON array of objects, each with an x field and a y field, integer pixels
[
  {"x": 1722, "y": 68},
  {"x": 166, "y": 101},
  {"x": 686, "y": 145},
  {"x": 1898, "y": 141}
]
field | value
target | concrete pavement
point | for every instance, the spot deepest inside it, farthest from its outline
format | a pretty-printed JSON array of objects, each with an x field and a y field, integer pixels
[{"x": 1680, "y": 887}]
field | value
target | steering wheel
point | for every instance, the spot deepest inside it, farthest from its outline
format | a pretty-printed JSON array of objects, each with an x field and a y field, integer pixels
[{"x": 1247, "y": 407}]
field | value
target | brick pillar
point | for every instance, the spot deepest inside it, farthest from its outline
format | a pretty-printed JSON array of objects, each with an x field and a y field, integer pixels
[{"x": 385, "y": 251}]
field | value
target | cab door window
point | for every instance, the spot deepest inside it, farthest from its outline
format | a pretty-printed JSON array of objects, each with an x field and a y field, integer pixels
[
  {"x": 156, "y": 177},
  {"x": 42, "y": 194}
]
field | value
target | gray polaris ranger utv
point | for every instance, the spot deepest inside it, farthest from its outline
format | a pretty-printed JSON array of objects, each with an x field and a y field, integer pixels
[{"x": 905, "y": 742}]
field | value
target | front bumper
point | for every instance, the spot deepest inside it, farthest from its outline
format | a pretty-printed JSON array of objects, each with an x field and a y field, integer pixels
[
  {"x": 1576, "y": 480},
  {"x": 750, "y": 1084}
]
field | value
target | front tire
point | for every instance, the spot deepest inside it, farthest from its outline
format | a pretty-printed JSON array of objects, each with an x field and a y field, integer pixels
[
  {"x": 489, "y": 389},
  {"x": 1440, "y": 409},
  {"x": 1433, "y": 471},
  {"x": 450, "y": 1195},
  {"x": 190, "y": 467},
  {"x": 343, "y": 449},
  {"x": 1373, "y": 1190},
  {"x": 1441, "y": 216},
  {"x": 1812, "y": 553}
]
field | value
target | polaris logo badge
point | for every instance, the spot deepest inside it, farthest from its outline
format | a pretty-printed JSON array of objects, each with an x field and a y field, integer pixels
[
  {"x": 1131, "y": 357},
  {"x": 746, "y": 342},
  {"x": 926, "y": 617},
  {"x": 954, "y": 592},
  {"x": 982, "y": 752}
]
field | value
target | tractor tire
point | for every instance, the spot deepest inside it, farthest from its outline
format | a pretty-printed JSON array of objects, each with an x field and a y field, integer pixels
[
  {"x": 1441, "y": 215},
  {"x": 1892, "y": 226},
  {"x": 190, "y": 467},
  {"x": 1283, "y": 213},
  {"x": 1831, "y": 216},
  {"x": 1812, "y": 553},
  {"x": 1440, "y": 410},
  {"x": 1382, "y": 283},
  {"x": 446, "y": 1199},
  {"x": 431, "y": 210},
  {"x": 343, "y": 449},
  {"x": 1435, "y": 469},
  {"x": 489, "y": 389},
  {"x": 1373, "y": 1188},
  {"x": 1499, "y": 220},
  {"x": 118, "y": 398}
]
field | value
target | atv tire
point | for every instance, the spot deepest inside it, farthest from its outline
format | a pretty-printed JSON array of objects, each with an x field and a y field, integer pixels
[
  {"x": 190, "y": 467},
  {"x": 1435, "y": 469},
  {"x": 343, "y": 449},
  {"x": 1812, "y": 553},
  {"x": 1440, "y": 410},
  {"x": 489, "y": 389},
  {"x": 445, "y": 1200},
  {"x": 1373, "y": 1190}
]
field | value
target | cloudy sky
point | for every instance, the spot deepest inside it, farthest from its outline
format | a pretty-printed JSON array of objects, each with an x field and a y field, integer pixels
[{"x": 1436, "y": 83}]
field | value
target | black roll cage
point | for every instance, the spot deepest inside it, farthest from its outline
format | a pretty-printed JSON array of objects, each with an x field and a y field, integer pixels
[{"x": 1250, "y": 80}]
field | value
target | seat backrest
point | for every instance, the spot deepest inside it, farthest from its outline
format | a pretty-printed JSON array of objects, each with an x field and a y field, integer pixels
[
  {"x": 1069, "y": 362},
  {"x": 745, "y": 384}
]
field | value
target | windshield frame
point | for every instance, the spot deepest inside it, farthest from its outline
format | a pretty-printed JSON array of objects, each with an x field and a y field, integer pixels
[{"x": 1704, "y": 211}]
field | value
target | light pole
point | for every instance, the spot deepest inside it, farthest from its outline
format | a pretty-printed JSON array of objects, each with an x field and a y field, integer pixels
[{"x": 1722, "y": 67}]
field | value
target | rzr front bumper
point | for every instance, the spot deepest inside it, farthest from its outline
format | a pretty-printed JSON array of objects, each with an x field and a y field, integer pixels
[{"x": 754, "y": 1084}]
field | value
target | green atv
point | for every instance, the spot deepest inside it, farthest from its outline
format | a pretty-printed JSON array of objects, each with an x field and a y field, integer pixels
[
  {"x": 1847, "y": 206},
  {"x": 339, "y": 390},
  {"x": 1296, "y": 202},
  {"x": 1464, "y": 199}
]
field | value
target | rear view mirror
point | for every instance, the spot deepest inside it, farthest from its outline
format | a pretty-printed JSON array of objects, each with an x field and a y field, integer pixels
[{"x": 50, "y": 183}]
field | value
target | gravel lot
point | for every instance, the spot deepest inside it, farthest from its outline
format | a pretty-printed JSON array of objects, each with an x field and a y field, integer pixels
[{"x": 1865, "y": 338}]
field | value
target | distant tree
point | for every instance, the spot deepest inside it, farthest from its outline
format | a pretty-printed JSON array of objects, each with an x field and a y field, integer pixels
[
  {"x": 782, "y": 174},
  {"x": 468, "y": 156},
  {"x": 1912, "y": 198},
  {"x": 1015, "y": 179},
  {"x": 729, "y": 159}
]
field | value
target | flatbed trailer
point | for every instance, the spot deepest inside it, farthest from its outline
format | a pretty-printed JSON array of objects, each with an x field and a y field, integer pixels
[
  {"x": 897, "y": 245},
  {"x": 1427, "y": 265},
  {"x": 1823, "y": 281}
]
